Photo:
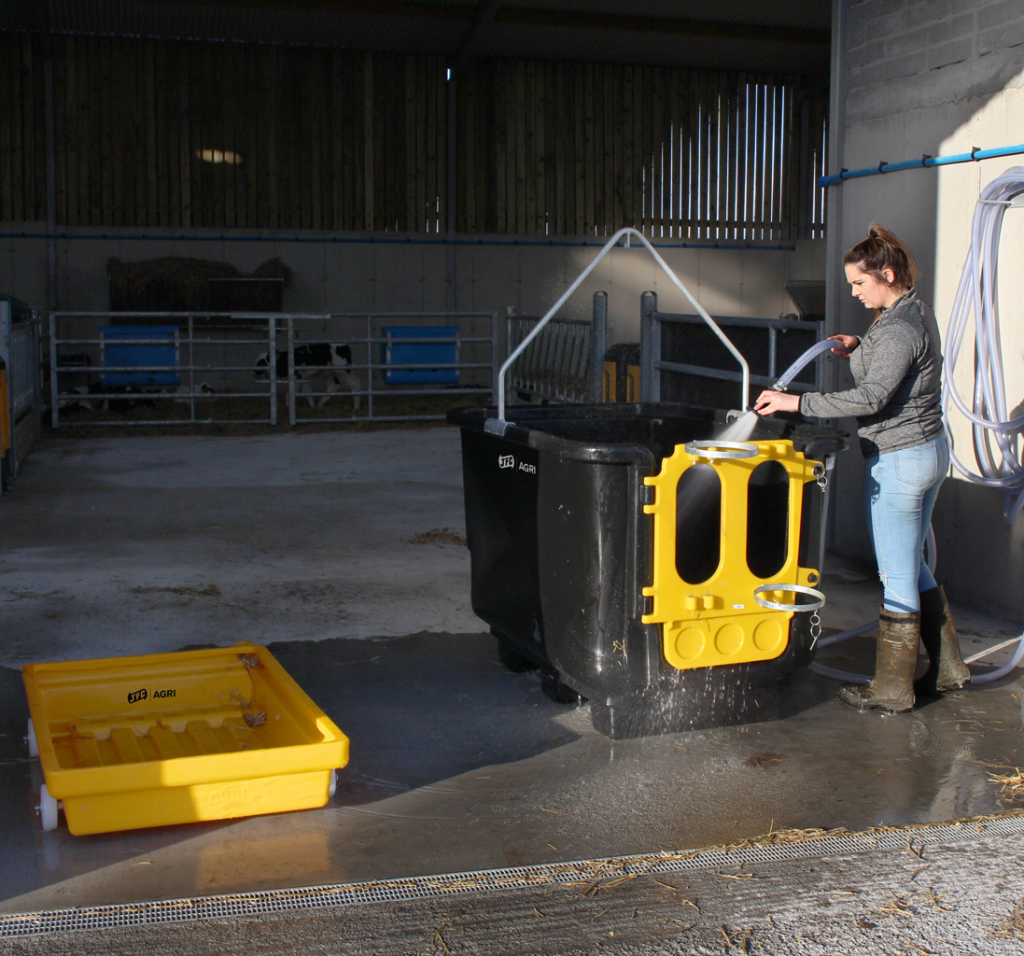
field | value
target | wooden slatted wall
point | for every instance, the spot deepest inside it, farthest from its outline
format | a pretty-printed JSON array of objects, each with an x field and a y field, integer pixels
[
  {"x": 347, "y": 140},
  {"x": 22, "y": 130},
  {"x": 572, "y": 148},
  {"x": 324, "y": 139}
]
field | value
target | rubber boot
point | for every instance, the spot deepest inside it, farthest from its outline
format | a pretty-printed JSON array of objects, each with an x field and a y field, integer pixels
[
  {"x": 892, "y": 687},
  {"x": 946, "y": 668}
]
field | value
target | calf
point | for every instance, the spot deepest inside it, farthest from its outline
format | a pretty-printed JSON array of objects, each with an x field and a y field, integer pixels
[
  {"x": 80, "y": 401},
  {"x": 319, "y": 367},
  {"x": 181, "y": 392}
]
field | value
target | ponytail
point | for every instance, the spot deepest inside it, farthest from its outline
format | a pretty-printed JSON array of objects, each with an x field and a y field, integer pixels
[{"x": 883, "y": 250}]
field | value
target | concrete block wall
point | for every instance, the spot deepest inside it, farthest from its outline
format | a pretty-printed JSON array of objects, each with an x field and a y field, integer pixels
[
  {"x": 915, "y": 54},
  {"x": 939, "y": 77}
]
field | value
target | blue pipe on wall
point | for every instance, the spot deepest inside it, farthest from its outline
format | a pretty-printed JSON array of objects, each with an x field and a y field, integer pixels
[{"x": 975, "y": 155}]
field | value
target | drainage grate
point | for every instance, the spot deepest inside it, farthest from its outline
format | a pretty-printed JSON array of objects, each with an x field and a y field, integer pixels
[{"x": 512, "y": 878}]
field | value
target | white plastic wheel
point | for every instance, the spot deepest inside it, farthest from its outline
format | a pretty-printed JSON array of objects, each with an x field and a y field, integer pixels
[
  {"x": 333, "y": 787},
  {"x": 47, "y": 809},
  {"x": 30, "y": 739}
]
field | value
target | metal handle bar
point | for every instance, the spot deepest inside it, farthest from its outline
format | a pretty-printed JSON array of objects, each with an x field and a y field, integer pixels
[{"x": 498, "y": 425}]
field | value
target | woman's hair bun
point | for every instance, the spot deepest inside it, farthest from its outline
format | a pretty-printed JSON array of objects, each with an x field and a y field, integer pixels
[{"x": 882, "y": 250}]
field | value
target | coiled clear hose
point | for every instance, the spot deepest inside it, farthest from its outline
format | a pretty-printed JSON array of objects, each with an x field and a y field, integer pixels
[{"x": 977, "y": 296}]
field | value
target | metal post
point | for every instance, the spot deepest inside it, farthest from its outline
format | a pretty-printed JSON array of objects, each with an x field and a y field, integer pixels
[
  {"x": 37, "y": 385},
  {"x": 51, "y": 189},
  {"x": 773, "y": 351},
  {"x": 834, "y": 277},
  {"x": 291, "y": 370},
  {"x": 191, "y": 372},
  {"x": 598, "y": 346},
  {"x": 369, "y": 361},
  {"x": 54, "y": 387},
  {"x": 821, "y": 369},
  {"x": 272, "y": 366},
  {"x": 451, "y": 188},
  {"x": 44, "y": 26},
  {"x": 830, "y": 461},
  {"x": 650, "y": 348},
  {"x": 495, "y": 356}
]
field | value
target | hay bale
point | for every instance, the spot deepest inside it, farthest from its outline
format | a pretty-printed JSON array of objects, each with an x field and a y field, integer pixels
[
  {"x": 273, "y": 269},
  {"x": 182, "y": 284},
  {"x": 170, "y": 284}
]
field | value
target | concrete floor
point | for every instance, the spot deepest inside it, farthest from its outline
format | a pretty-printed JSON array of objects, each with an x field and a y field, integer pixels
[{"x": 312, "y": 544}]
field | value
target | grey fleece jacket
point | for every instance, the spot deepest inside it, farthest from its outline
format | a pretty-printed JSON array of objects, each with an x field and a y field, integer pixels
[{"x": 898, "y": 371}]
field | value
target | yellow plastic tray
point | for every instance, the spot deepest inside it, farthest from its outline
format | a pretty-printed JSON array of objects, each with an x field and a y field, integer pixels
[{"x": 129, "y": 742}]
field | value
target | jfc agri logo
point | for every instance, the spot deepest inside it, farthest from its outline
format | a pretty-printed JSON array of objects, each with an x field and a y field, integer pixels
[
  {"x": 509, "y": 461},
  {"x": 136, "y": 695}
]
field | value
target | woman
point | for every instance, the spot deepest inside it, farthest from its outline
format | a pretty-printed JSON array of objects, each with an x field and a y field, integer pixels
[{"x": 897, "y": 368}]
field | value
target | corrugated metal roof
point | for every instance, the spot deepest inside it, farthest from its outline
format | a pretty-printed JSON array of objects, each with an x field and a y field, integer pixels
[{"x": 745, "y": 34}]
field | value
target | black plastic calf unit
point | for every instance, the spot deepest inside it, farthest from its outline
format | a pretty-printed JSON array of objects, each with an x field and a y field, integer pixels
[{"x": 579, "y": 567}]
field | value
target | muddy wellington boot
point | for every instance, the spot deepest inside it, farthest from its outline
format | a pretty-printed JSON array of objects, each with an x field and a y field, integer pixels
[
  {"x": 892, "y": 687},
  {"x": 946, "y": 668}
]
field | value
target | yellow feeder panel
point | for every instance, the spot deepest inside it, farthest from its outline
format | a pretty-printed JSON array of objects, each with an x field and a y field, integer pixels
[{"x": 718, "y": 621}]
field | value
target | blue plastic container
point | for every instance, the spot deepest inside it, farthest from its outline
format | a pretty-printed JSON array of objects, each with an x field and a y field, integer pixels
[
  {"x": 119, "y": 348},
  {"x": 396, "y": 352}
]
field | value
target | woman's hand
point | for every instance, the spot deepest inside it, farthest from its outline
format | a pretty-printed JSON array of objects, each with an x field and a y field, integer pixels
[
  {"x": 769, "y": 401},
  {"x": 847, "y": 344}
]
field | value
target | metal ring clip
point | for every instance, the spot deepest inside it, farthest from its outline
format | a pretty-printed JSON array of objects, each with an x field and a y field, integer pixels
[
  {"x": 721, "y": 449},
  {"x": 819, "y": 598}
]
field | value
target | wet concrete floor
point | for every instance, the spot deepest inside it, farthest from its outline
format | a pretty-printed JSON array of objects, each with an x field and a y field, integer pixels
[{"x": 456, "y": 764}]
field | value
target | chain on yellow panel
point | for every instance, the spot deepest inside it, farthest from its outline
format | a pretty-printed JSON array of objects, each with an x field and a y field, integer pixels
[{"x": 718, "y": 620}]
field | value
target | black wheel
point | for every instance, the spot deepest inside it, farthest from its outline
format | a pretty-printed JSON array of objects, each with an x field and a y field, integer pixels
[
  {"x": 558, "y": 691},
  {"x": 512, "y": 659}
]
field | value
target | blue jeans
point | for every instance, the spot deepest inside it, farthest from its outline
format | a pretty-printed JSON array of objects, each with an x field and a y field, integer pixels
[{"x": 900, "y": 489}]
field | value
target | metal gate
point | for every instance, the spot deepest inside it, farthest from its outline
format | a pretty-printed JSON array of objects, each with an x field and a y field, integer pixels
[
  {"x": 164, "y": 347},
  {"x": 195, "y": 367},
  {"x": 401, "y": 366},
  {"x": 563, "y": 363},
  {"x": 682, "y": 361}
]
